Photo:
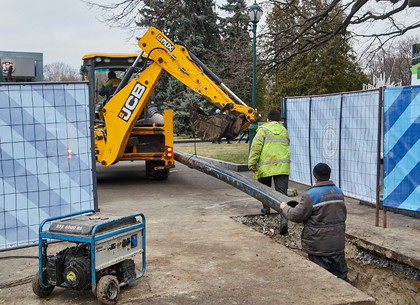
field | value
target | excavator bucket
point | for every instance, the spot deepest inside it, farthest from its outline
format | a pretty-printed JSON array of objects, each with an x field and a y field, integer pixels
[{"x": 211, "y": 127}]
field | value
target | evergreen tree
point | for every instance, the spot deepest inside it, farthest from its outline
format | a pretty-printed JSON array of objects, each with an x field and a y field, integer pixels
[
  {"x": 237, "y": 49},
  {"x": 325, "y": 70},
  {"x": 194, "y": 24}
]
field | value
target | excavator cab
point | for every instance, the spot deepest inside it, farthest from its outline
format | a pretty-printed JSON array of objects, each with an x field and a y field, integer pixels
[
  {"x": 151, "y": 137},
  {"x": 96, "y": 68}
]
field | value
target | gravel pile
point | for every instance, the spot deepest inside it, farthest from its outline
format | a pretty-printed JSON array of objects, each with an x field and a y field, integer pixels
[{"x": 270, "y": 225}]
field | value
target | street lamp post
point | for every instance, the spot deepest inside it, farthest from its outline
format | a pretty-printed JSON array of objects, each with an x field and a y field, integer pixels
[{"x": 255, "y": 12}]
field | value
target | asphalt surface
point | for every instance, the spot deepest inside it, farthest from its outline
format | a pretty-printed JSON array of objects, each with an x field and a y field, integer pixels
[{"x": 197, "y": 254}]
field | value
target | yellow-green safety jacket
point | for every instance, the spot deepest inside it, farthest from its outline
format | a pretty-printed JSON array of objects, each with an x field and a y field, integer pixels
[{"x": 270, "y": 151}]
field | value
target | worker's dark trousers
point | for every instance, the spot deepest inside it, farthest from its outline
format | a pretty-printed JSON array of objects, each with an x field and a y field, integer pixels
[
  {"x": 281, "y": 183},
  {"x": 336, "y": 264}
]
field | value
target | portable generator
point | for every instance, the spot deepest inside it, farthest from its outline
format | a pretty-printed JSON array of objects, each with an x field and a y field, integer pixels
[{"x": 102, "y": 258}]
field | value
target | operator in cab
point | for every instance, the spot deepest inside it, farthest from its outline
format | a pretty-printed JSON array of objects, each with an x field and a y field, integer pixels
[{"x": 108, "y": 88}]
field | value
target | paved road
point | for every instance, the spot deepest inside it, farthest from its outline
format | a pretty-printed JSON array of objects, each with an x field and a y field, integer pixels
[{"x": 196, "y": 254}]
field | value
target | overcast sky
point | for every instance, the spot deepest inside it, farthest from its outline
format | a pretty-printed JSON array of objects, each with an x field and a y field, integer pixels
[{"x": 63, "y": 30}]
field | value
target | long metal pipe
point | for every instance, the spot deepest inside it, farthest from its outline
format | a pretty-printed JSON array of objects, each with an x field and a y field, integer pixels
[{"x": 251, "y": 187}]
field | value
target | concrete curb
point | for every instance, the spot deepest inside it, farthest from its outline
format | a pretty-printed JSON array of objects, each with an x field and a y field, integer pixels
[{"x": 228, "y": 165}]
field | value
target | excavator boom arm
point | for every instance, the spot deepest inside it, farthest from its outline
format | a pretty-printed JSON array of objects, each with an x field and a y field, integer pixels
[
  {"x": 122, "y": 111},
  {"x": 188, "y": 69}
]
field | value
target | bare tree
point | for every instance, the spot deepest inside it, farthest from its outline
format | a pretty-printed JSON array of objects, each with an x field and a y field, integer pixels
[
  {"x": 59, "y": 71},
  {"x": 371, "y": 24},
  {"x": 392, "y": 64},
  {"x": 125, "y": 14}
]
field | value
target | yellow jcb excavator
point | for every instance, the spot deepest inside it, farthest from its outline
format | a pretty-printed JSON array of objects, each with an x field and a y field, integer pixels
[{"x": 127, "y": 127}]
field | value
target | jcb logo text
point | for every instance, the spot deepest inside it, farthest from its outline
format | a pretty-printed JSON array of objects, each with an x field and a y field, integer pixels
[
  {"x": 165, "y": 42},
  {"x": 132, "y": 102}
]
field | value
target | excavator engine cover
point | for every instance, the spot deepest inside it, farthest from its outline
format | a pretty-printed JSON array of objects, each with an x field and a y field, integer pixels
[{"x": 211, "y": 127}]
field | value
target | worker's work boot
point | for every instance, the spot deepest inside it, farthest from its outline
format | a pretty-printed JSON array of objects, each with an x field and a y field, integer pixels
[{"x": 265, "y": 210}]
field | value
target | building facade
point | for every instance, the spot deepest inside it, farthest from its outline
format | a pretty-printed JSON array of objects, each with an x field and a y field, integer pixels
[{"x": 21, "y": 66}]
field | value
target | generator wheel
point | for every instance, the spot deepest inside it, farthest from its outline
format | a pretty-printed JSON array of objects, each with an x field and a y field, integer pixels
[
  {"x": 38, "y": 289},
  {"x": 108, "y": 290}
]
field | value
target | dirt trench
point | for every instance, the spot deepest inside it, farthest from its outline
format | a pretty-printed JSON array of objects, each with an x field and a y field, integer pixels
[{"x": 388, "y": 281}]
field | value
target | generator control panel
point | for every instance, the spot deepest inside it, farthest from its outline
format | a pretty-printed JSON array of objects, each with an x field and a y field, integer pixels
[{"x": 84, "y": 224}]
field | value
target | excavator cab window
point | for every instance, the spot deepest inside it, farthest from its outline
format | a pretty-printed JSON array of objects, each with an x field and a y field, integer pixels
[
  {"x": 96, "y": 68},
  {"x": 105, "y": 85}
]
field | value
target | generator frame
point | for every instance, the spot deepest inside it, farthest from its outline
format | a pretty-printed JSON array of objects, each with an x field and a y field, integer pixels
[{"x": 92, "y": 239}]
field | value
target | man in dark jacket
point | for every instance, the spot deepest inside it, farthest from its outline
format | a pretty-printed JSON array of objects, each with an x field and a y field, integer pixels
[{"x": 323, "y": 212}]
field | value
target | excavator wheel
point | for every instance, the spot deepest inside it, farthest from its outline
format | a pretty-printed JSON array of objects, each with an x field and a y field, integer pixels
[{"x": 156, "y": 174}]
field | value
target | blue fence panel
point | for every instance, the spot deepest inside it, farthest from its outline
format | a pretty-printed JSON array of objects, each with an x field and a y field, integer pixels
[
  {"x": 46, "y": 165},
  {"x": 298, "y": 129},
  {"x": 402, "y": 148},
  {"x": 325, "y": 132},
  {"x": 360, "y": 140},
  {"x": 340, "y": 130}
]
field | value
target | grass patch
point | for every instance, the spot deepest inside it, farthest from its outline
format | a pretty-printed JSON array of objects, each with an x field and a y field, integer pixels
[
  {"x": 183, "y": 137},
  {"x": 234, "y": 153}
]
